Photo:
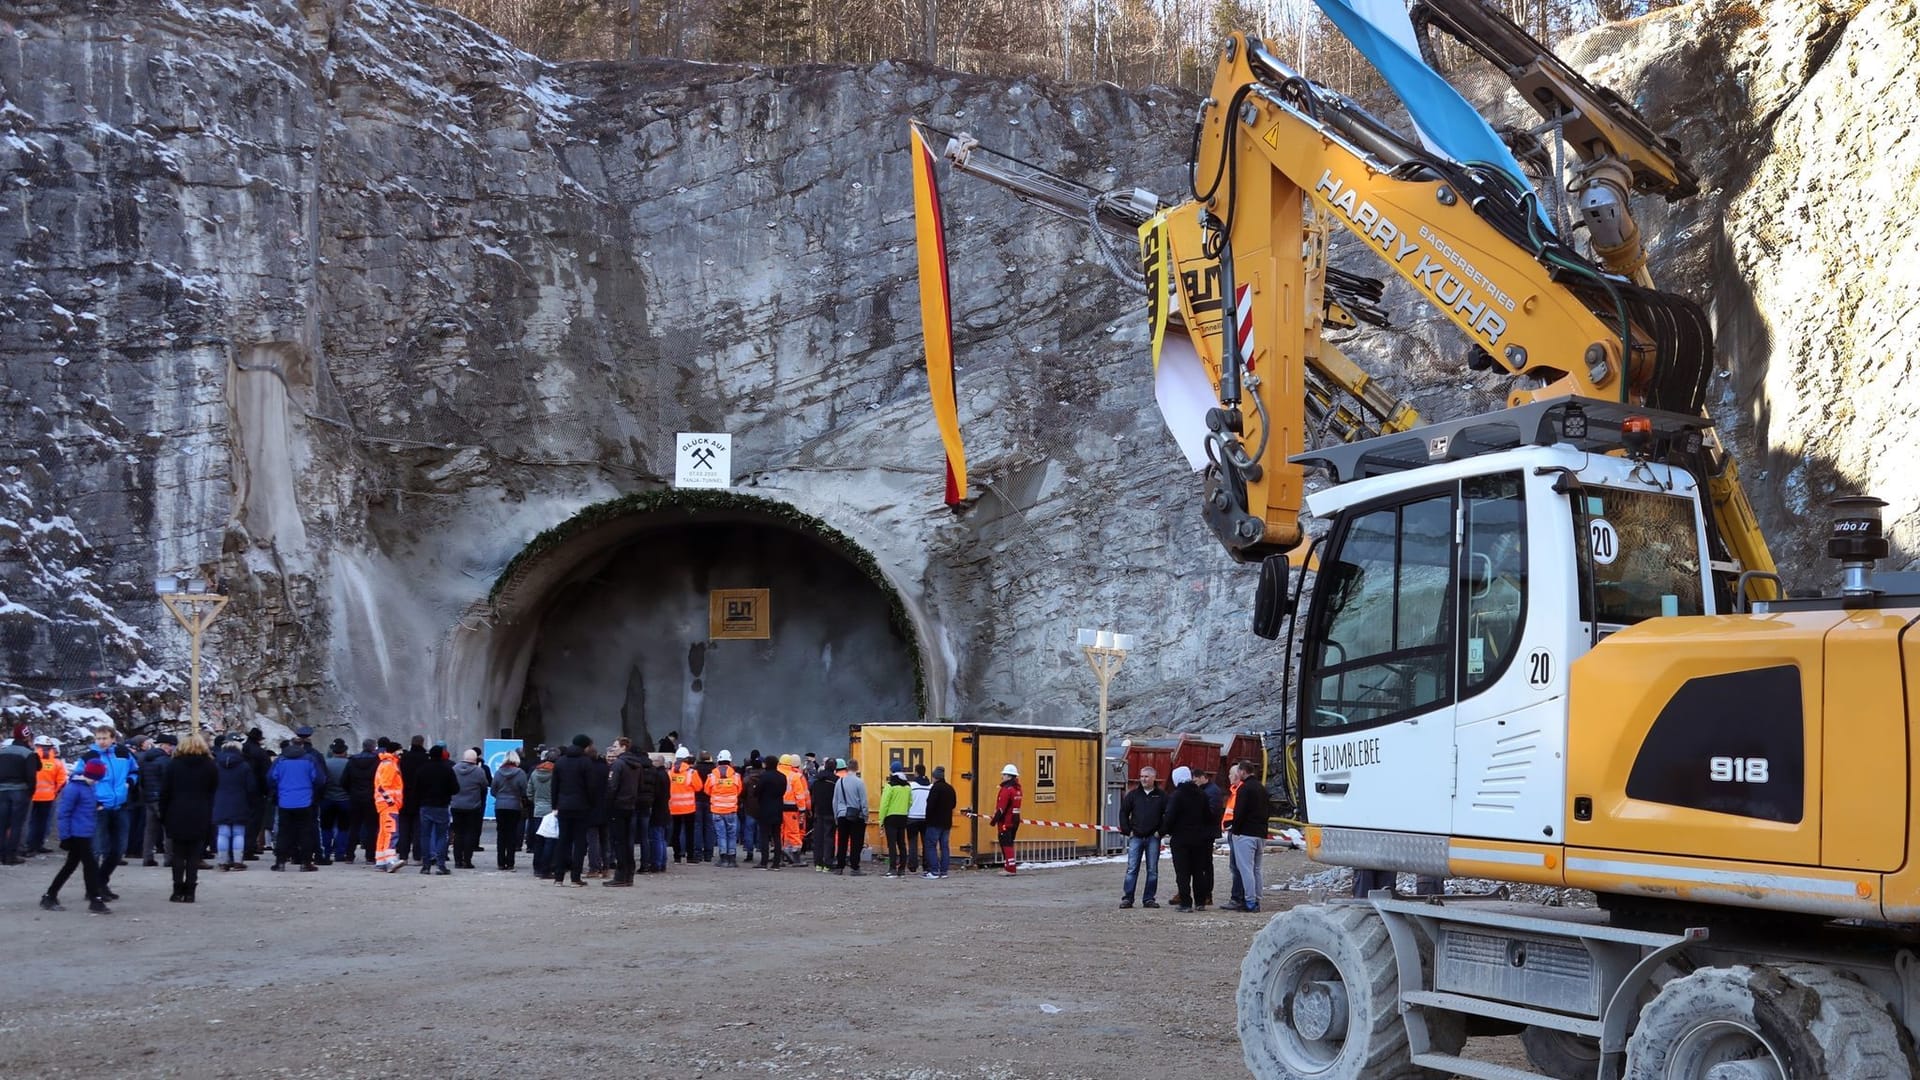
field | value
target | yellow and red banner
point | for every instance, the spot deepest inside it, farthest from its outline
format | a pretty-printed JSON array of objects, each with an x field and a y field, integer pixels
[{"x": 936, "y": 314}]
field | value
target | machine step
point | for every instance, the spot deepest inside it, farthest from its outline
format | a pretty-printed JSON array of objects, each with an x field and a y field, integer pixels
[
  {"x": 1479, "y": 1070},
  {"x": 1500, "y": 1010}
]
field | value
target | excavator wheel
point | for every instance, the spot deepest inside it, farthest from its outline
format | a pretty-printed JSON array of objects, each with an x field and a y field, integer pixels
[
  {"x": 1764, "y": 1022},
  {"x": 1561, "y": 1054},
  {"x": 1319, "y": 999}
]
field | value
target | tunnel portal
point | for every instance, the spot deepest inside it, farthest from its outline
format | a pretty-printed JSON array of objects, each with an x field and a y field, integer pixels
[{"x": 626, "y": 642}]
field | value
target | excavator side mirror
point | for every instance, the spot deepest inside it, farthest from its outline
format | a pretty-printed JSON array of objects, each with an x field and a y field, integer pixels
[{"x": 1272, "y": 599}]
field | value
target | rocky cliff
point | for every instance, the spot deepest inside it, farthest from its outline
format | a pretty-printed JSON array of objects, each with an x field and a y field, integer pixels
[{"x": 346, "y": 301}]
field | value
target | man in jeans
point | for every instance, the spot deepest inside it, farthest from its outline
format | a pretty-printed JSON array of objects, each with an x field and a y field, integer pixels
[
  {"x": 941, "y": 801},
  {"x": 114, "y": 791},
  {"x": 1143, "y": 816}
]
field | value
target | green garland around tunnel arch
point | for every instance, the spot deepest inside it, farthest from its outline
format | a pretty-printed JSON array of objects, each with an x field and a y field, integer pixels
[{"x": 695, "y": 500}]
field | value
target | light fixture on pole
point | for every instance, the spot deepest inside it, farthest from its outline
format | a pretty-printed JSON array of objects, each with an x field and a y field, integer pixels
[
  {"x": 1105, "y": 652},
  {"x": 194, "y": 606}
]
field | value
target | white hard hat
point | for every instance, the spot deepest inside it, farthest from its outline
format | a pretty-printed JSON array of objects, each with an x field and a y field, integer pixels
[
  {"x": 44, "y": 740},
  {"x": 725, "y": 755},
  {"x": 681, "y": 754},
  {"x": 1010, "y": 770}
]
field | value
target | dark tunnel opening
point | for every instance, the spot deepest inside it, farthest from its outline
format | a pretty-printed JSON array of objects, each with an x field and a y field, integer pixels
[{"x": 626, "y": 645}]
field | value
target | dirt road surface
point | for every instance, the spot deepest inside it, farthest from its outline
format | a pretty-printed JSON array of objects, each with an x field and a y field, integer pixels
[{"x": 697, "y": 973}]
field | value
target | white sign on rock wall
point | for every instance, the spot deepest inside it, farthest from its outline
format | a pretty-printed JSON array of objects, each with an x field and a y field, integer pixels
[{"x": 703, "y": 460}]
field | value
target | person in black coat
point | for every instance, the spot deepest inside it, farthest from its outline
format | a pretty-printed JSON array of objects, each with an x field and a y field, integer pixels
[
  {"x": 186, "y": 812},
  {"x": 1191, "y": 829},
  {"x": 434, "y": 786},
  {"x": 234, "y": 795},
  {"x": 259, "y": 759},
  {"x": 406, "y": 832},
  {"x": 659, "y": 815},
  {"x": 820, "y": 792},
  {"x": 769, "y": 802},
  {"x": 363, "y": 825},
  {"x": 579, "y": 786}
]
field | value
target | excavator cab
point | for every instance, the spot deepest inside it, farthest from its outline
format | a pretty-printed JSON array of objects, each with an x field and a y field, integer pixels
[{"x": 1466, "y": 567}]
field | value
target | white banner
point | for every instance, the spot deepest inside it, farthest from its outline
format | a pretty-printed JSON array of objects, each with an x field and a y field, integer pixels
[{"x": 703, "y": 460}]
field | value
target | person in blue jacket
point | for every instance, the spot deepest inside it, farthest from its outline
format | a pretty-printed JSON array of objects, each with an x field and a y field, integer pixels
[
  {"x": 77, "y": 812},
  {"x": 296, "y": 781},
  {"x": 116, "y": 792}
]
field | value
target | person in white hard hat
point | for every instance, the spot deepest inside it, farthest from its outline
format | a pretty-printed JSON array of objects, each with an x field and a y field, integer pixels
[
  {"x": 724, "y": 786},
  {"x": 1006, "y": 813}
]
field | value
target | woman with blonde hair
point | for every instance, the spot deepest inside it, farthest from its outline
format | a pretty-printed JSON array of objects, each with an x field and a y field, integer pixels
[{"x": 186, "y": 812}]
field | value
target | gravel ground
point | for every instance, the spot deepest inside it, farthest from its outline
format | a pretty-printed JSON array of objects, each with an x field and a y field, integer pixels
[{"x": 700, "y": 972}]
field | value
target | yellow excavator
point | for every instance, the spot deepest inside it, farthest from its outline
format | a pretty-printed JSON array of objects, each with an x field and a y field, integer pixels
[{"x": 1544, "y": 645}]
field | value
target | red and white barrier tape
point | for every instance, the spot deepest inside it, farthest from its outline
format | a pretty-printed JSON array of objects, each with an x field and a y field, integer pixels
[{"x": 1287, "y": 836}]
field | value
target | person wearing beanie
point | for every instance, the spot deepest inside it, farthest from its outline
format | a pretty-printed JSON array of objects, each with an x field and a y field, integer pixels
[
  {"x": 19, "y": 773},
  {"x": 469, "y": 806},
  {"x": 1190, "y": 829},
  {"x": 235, "y": 792},
  {"x": 579, "y": 786},
  {"x": 76, "y": 814},
  {"x": 895, "y": 801},
  {"x": 539, "y": 805}
]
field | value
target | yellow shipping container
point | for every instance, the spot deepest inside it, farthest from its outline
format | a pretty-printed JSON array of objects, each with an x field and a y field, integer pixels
[{"x": 1058, "y": 775}]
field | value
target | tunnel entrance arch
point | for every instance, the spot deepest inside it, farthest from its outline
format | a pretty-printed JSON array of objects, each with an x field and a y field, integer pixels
[{"x": 600, "y": 626}]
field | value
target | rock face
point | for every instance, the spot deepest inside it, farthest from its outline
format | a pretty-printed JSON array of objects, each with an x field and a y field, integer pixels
[{"x": 344, "y": 302}]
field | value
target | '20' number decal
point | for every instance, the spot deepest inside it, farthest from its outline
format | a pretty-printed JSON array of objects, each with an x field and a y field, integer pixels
[{"x": 1539, "y": 669}]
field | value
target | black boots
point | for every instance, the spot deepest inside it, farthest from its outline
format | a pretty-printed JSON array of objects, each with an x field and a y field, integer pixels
[{"x": 50, "y": 903}]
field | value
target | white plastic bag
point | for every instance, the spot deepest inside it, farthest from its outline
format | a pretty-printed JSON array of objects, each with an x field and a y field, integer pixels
[{"x": 549, "y": 826}]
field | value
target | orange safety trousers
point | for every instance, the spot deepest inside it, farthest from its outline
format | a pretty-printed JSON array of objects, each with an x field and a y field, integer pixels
[
  {"x": 389, "y": 821},
  {"x": 791, "y": 829}
]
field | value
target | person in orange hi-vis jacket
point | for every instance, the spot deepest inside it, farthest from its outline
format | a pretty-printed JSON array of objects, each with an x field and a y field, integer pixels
[
  {"x": 386, "y": 806},
  {"x": 723, "y": 798},
  {"x": 684, "y": 786},
  {"x": 1006, "y": 813},
  {"x": 793, "y": 821}
]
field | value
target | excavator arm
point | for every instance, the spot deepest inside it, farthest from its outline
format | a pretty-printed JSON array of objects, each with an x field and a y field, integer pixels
[{"x": 1463, "y": 237}]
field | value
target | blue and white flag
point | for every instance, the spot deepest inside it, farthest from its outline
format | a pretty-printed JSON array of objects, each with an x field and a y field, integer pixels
[{"x": 1447, "y": 122}]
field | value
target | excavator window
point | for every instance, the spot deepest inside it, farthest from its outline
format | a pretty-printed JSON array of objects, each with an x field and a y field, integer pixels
[
  {"x": 1642, "y": 558},
  {"x": 1495, "y": 569},
  {"x": 1384, "y": 643}
]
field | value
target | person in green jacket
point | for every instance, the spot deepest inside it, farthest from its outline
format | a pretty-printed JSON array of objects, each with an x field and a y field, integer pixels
[
  {"x": 540, "y": 797},
  {"x": 896, "y": 799}
]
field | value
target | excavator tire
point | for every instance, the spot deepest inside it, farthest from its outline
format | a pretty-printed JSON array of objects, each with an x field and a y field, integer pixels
[
  {"x": 1561, "y": 1054},
  {"x": 1763, "y": 1022},
  {"x": 1319, "y": 999}
]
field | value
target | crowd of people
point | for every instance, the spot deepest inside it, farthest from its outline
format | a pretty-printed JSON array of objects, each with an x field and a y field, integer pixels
[
  {"x": 1191, "y": 819},
  {"x": 201, "y": 802}
]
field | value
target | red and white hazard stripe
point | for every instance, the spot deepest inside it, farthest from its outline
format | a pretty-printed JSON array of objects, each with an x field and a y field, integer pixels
[{"x": 1243, "y": 317}]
